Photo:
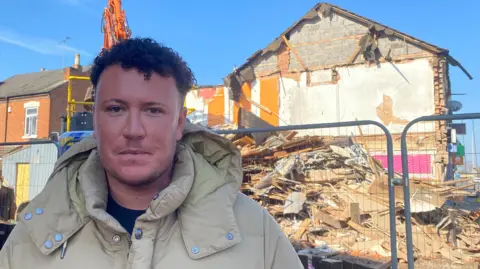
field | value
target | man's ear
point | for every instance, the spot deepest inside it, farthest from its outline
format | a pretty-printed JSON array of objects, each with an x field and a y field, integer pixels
[
  {"x": 93, "y": 121},
  {"x": 182, "y": 119}
]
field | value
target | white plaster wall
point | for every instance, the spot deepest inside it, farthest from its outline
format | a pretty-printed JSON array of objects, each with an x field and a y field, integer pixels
[
  {"x": 228, "y": 111},
  {"x": 194, "y": 101},
  {"x": 255, "y": 97},
  {"x": 358, "y": 93},
  {"x": 200, "y": 115}
]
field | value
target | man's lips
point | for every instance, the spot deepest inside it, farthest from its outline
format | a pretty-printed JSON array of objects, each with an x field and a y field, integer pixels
[
  {"x": 134, "y": 157},
  {"x": 133, "y": 152}
]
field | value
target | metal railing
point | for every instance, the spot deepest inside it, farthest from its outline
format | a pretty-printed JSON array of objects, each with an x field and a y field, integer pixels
[
  {"x": 26, "y": 167},
  {"x": 335, "y": 162},
  {"x": 323, "y": 156},
  {"x": 435, "y": 172}
]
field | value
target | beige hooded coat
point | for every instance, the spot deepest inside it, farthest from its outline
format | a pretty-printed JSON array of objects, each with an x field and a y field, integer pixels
[{"x": 199, "y": 221}]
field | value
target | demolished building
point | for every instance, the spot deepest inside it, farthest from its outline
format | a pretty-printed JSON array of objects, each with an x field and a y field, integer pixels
[{"x": 334, "y": 65}]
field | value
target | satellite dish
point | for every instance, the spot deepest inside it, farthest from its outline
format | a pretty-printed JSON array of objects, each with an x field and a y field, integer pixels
[{"x": 454, "y": 106}]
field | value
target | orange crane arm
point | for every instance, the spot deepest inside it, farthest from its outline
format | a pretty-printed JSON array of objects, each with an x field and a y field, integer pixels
[
  {"x": 114, "y": 24},
  {"x": 115, "y": 29}
]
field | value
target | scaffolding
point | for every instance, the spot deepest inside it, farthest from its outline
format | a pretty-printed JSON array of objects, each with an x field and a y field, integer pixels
[{"x": 72, "y": 103}]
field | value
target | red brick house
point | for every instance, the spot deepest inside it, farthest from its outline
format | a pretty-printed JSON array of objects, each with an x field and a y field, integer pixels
[{"x": 32, "y": 104}]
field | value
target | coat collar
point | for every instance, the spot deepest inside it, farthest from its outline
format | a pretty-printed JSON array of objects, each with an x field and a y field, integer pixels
[{"x": 206, "y": 180}]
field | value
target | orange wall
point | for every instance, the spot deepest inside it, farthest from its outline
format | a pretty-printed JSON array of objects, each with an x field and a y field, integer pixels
[
  {"x": 216, "y": 108},
  {"x": 243, "y": 103},
  {"x": 16, "y": 118},
  {"x": 214, "y": 100},
  {"x": 269, "y": 98}
]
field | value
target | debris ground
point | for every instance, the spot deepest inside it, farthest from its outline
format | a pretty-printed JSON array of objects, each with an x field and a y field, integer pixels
[{"x": 328, "y": 194}]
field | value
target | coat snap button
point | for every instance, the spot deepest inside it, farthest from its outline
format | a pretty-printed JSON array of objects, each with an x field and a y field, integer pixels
[
  {"x": 229, "y": 236},
  {"x": 28, "y": 216},
  {"x": 138, "y": 234},
  {"x": 116, "y": 238},
  {"x": 39, "y": 211},
  {"x": 58, "y": 237},
  {"x": 156, "y": 196},
  {"x": 48, "y": 244},
  {"x": 195, "y": 250}
]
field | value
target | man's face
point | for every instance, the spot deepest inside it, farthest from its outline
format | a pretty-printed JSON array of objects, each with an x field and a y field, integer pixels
[{"x": 137, "y": 123}]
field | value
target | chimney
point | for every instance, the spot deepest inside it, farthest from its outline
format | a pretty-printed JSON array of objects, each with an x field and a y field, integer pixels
[
  {"x": 77, "y": 65},
  {"x": 42, "y": 69}
]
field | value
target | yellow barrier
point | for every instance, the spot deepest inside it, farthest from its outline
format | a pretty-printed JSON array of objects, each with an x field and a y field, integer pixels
[{"x": 71, "y": 103}]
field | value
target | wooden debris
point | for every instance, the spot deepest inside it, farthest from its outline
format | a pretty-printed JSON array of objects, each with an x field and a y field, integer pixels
[{"x": 329, "y": 193}]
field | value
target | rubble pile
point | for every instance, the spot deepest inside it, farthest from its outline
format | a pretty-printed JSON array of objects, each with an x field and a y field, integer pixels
[{"x": 328, "y": 194}]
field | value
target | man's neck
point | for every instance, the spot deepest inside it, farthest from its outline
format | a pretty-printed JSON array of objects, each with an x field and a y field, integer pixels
[{"x": 136, "y": 198}]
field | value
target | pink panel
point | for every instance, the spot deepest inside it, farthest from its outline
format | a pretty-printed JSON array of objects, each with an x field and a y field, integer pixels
[
  {"x": 207, "y": 93},
  {"x": 417, "y": 164}
]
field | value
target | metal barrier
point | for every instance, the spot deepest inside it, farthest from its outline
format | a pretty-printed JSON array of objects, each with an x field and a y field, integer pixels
[
  {"x": 438, "y": 169},
  {"x": 323, "y": 186},
  {"x": 25, "y": 169}
]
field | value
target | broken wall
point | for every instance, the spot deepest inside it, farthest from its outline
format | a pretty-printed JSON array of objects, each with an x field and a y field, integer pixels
[
  {"x": 340, "y": 85},
  {"x": 208, "y": 103},
  {"x": 321, "y": 71},
  {"x": 391, "y": 94}
]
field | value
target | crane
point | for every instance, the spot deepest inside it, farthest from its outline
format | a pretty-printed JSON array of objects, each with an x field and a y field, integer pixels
[
  {"x": 114, "y": 24},
  {"x": 114, "y": 27}
]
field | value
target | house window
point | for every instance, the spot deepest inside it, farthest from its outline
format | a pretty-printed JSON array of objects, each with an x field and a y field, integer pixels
[{"x": 31, "y": 115}]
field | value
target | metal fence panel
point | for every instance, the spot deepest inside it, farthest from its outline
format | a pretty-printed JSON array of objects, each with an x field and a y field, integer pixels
[
  {"x": 324, "y": 188},
  {"x": 441, "y": 191},
  {"x": 25, "y": 169}
]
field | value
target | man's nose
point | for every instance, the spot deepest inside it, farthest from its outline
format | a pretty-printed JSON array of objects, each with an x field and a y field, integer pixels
[{"x": 134, "y": 129}]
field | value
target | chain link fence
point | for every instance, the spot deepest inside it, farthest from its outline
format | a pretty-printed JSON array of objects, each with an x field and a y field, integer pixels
[
  {"x": 326, "y": 186},
  {"x": 441, "y": 191}
]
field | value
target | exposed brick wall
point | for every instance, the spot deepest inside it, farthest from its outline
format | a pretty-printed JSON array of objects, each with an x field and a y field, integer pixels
[
  {"x": 15, "y": 126},
  {"x": 2, "y": 120},
  {"x": 441, "y": 93},
  {"x": 267, "y": 63},
  {"x": 283, "y": 56},
  {"x": 324, "y": 42}
]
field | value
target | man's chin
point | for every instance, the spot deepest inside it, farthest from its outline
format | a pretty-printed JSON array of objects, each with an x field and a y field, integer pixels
[{"x": 134, "y": 177}]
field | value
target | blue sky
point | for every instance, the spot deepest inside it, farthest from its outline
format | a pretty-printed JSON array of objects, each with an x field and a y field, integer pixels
[{"x": 214, "y": 35}]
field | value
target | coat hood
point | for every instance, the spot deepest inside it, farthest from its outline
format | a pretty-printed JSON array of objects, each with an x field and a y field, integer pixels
[{"x": 205, "y": 185}]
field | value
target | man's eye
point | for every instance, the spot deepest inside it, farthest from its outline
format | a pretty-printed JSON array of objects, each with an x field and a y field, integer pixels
[
  {"x": 114, "y": 109},
  {"x": 153, "y": 110}
]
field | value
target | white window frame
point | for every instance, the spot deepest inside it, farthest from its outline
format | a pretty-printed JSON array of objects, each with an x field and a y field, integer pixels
[{"x": 31, "y": 120}]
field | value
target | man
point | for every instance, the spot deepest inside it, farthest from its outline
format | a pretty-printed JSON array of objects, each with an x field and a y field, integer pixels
[
  {"x": 7, "y": 202},
  {"x": 149, "y": 191}
]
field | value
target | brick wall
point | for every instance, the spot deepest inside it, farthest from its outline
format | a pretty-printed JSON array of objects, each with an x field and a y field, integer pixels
[
  {"x": 328, "y": 41},
  {"x": 51, "y": 107},
  {"x": 15, "y": 120}
]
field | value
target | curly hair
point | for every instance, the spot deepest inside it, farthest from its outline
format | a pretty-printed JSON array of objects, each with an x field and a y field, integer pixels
[{"x": 147, "y": 56}]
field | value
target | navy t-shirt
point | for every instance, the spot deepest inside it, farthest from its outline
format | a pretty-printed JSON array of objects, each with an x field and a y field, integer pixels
[{"x": 126, "y": 217}]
